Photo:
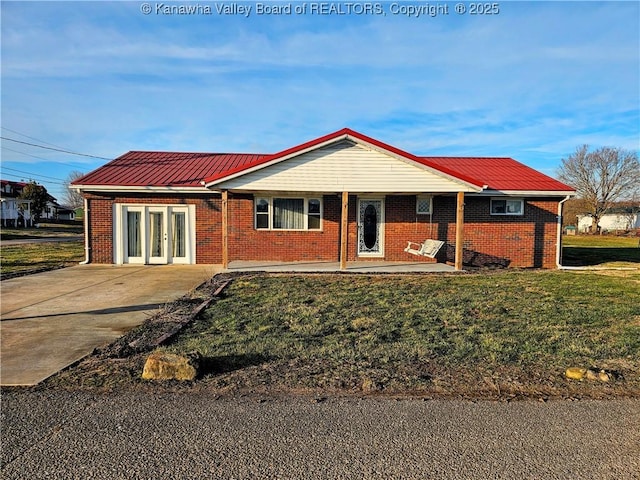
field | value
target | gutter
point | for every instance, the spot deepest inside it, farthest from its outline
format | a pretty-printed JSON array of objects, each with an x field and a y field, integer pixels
[
  {"x": 559, "y": 233},
  {"x": 86, "y": 233}
]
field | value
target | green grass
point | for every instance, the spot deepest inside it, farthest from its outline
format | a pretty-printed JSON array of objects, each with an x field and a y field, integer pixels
[
  {"x": 45, "y": 230},
  {"x": 399, "y": 332},
  {"x": 600, "y": 241},
  {"x": 34, "y": 256},
  {"x": 601, "y": 250}
]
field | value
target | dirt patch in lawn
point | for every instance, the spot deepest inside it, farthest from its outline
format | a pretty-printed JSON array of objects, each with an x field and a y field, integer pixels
[{"x": 503, "y": 336}]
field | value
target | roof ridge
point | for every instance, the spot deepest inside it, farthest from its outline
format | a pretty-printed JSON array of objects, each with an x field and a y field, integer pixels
[{"x": 194, "y": 153}]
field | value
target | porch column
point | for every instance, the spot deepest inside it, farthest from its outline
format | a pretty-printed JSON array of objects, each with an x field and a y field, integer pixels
[
  {"x": 225, "y": 229},
  {"x": 459, "y": 231},
  {"x": 343, "y": 230}
]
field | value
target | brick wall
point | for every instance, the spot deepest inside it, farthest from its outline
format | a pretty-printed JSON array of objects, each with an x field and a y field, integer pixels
[
  {"x": 498, "y": 240},
  {"x": 515, "y": 241},
  {"x": 100, "y": 217},
  {"x": 247, "y": 243}
]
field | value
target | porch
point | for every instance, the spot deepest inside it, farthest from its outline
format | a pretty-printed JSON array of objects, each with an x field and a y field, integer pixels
[{"x": 351, "y": 267}]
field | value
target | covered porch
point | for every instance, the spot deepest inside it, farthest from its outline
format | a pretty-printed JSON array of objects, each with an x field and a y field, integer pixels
[
  {"x": 371, "y": 234},
  {"x": 328, "y": 267}
]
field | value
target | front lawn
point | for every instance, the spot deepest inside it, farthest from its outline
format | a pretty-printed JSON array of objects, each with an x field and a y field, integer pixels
[
  {"x": 601, "y": 251},
  {"x": 451, "y": 334},
  {"x": 45, "y": 230},
  {"x": 29, "y": 257}
]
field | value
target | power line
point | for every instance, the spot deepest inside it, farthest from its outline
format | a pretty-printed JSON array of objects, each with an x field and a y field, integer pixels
[
  {"x": 31, "y": 138},
  {"x": 41, "y": 158},
  {"x": 30, "y": 173},
  {"x": 54, "y": 149},
  {"x": 31, "y": 177}
]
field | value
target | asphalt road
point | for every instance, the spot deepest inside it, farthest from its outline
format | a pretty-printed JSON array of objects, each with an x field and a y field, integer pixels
[{"x": 58, "y": 435}]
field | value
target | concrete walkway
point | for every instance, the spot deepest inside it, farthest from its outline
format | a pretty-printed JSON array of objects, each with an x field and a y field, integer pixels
[{"x": 52, "y": 319}]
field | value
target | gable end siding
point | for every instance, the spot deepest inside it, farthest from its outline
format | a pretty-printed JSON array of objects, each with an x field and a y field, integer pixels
[{"x": 344, "y": 167}]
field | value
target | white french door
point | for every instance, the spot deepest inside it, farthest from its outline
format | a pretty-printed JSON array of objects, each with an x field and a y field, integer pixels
[
  {"x": 157, "y": 238},
  {"x": 154, "y": 234}
]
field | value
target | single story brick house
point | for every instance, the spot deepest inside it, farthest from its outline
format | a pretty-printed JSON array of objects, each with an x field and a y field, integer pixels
[{"x": 341, "y": 197}]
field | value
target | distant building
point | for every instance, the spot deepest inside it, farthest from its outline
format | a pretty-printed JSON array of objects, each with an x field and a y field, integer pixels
[
  {"x": 17, "y": 212},
  {"x": 616, "y": 219}
]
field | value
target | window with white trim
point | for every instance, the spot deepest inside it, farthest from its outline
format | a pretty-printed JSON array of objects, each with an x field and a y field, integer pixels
[
  {"x": 288, "y": 213},
  {"x": 262, "y": 213},
  {"x": 511, "y": 206},
  {"x": 423, "y": 205}
]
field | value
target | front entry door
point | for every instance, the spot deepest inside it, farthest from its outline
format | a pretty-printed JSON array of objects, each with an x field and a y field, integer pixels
[{"x": 371, "y": 227}]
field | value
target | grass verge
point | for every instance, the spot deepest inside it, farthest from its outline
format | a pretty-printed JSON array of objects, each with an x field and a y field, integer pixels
[
  {"x": 45, "y": 230},
  {"x": 478, "y": 335},
  {"x": 29, "y": 257},
  {"x": 601, "y": 251}
]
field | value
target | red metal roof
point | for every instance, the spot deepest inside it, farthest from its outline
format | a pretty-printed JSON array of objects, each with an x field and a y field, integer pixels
[
  {"x": 175, "y": 169},
  {"x": 164, "y": 169},
  {"x": 501, "y": 173}
]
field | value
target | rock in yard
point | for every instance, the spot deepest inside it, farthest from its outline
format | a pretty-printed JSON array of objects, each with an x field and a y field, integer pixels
[
  {"x": 575, "y": 373},
  {"x": 591, "y": 375},
  {"x": 169, "y": 366},
  {"x": 604, "y": 376}
]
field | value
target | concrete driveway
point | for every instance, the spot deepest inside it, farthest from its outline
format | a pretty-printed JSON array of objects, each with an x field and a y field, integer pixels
[{"x": 52, "y": 319}]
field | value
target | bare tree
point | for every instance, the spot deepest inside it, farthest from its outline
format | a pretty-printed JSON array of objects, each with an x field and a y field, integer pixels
[
  {"x": 71, "y": 197},
  {"x": 601, "y": 177}
]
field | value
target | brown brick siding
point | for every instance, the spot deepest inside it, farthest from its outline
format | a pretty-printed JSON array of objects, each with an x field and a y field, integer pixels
[
  {"x": 247, "y": 243},
  {"x": 515, "y": 241}
]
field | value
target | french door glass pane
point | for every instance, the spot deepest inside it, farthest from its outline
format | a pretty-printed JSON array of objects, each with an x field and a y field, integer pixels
[
  {"x": 178, "y": 241},
  {"x": 156, "y": 233},
  {"x": 134, "y": 241}
]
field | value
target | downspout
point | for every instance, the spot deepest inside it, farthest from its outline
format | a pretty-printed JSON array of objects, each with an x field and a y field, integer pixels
[
  {"x": 86, "y": 232},
  {"x": 559, "y": 233}
]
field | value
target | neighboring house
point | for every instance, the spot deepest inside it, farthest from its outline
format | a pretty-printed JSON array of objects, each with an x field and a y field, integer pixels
[
  {"x": 616, "y": 219},
  {"x": 14, "y": 211},
  {"x": 341, "y": 197},
  {"x": 17, "y": 212},
  {"x": 65, "y": 213}
]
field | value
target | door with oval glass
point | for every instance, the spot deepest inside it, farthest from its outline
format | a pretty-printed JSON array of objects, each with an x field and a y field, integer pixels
[{"x": 371, "y": 227}]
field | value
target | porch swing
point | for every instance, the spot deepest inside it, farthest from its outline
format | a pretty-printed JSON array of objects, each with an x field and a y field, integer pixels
[{"x": 428, "y": 248}]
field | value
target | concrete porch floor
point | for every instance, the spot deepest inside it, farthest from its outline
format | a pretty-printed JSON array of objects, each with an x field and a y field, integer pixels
[{"x": 352, "y": 267}]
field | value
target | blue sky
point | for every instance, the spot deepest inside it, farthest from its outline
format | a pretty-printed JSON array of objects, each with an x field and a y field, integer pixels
[{"x": 531, "y": 82}]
